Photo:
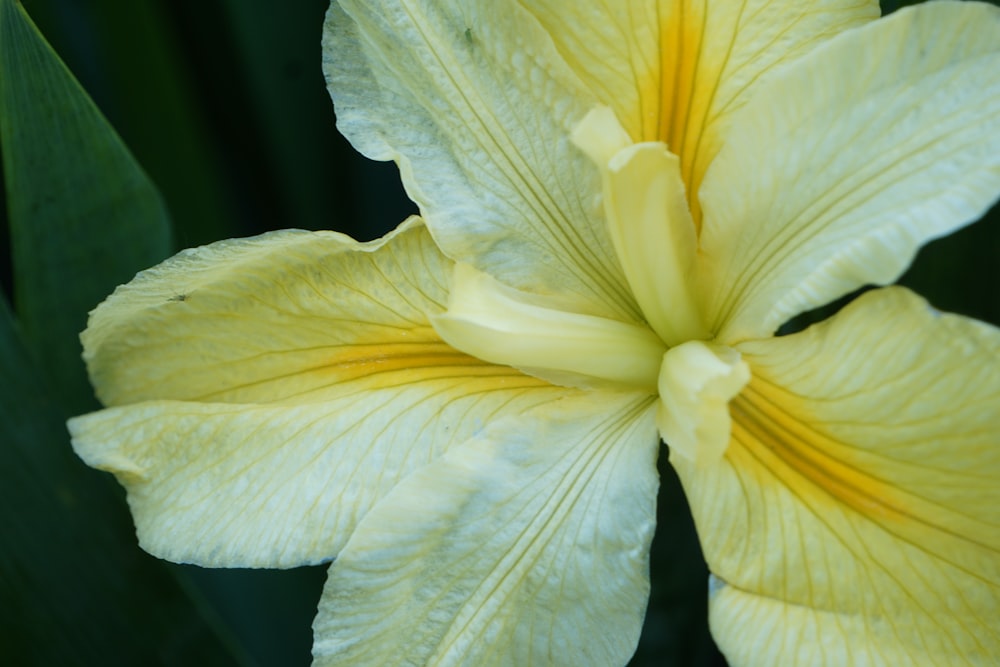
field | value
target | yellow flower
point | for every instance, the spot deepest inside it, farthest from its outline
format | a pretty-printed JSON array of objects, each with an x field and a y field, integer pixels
[{"x": 622, "y": 202}]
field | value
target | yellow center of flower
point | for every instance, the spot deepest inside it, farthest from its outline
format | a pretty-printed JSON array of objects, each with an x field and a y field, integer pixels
[{"x": 669, "y": 355}]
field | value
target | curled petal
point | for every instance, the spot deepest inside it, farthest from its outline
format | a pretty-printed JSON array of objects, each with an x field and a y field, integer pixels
[
  {"x": 697, "y": 381},
  {"x": 493, "y": 322},
  {"x": 649, "y": 224}
]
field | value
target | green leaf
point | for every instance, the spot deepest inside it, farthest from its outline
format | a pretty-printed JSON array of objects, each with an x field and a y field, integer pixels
[
  {"x": 75, "y": 588},
  {"x": 140, "y": 62},
  {"x": 83, "y": 217}
]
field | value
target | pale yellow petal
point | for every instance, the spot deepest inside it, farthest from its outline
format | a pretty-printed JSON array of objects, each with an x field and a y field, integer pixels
[
  {"x": 854, "y": 518},
  {"x": 525, "y": 546},
  {"x": 471, "y": 100},
  {"x": 305, "y": 381},
  {"x": 230, "y": 485},
  {"x": 498, "y": 324},
  {"x": 696, "y": 383},
  {"x": 676, "y": 70},
  {"x": 840, "y": 168},
  {"x": 285, "y": 317},
  {"x": 649, "y": 223}
]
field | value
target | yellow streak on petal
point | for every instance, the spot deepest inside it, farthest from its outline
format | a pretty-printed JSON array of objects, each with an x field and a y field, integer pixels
[
  {"x": 377, "y": 366},
  {"x": 771, "y": 429},
  {"x": 373, "y": 360},
  {"x": 681, "y": 36},
  {"x": 682, "y": 112},
  {"x": 779, "y": 442}
]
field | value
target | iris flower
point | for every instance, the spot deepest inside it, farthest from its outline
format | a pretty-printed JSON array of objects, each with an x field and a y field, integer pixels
[{"x": 621, "y": 203}]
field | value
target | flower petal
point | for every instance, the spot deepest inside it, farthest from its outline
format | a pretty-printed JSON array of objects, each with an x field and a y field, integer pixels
[
  {"x": 649, "y": 223},
  {"x": 475, "y": 105},
  {"x": 840, "y": 168},
  {"x": 854, "y": 519},
  {"x": 280, "y": 318},
  {"x": 697, "y": 381},
  {"x": 306, "y": 381},
  {"x": 675, "y": 70},
  {"x": 527, "y": 545},
  {"x": 495, "y": 323}
]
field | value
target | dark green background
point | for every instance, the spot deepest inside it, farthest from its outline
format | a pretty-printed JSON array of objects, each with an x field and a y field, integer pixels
[{"x": 224, "y": 105}]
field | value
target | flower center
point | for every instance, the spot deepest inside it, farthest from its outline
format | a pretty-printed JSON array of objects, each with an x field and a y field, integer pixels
[
  {"x": 694, "y": 380},
  {"x": 670, "y": 355}
]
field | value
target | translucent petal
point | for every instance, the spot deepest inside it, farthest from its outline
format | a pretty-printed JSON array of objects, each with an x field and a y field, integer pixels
[
  {"x": 841, "y": 167},
  {"x": 676, "y": 70},
  {"x": 854, "y": 517},
  {"x": 527, "y": 545},
  {"x": 304, "y": 381},
  {"x": 474, "y": 104}
]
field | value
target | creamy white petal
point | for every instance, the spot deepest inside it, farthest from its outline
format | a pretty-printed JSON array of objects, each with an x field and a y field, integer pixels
[
  {"x": 270, "y": 390},
  {"x": 284, "y": 317},
  {"x": 526, "y": 546},
  {"x": 472, "y": 101},
  {"x": 854, "y": 519},
  {"x": 230, "y": 485},
  {"x": 842, "y": 166}
]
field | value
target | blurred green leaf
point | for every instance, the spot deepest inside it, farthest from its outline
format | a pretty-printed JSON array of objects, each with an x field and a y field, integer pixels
[
  {"x": 142, "y": 74},
  {"x": 82, "y": 215}
]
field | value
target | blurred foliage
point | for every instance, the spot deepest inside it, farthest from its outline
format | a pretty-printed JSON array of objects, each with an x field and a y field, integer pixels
[{"x": 224, "y": 106}]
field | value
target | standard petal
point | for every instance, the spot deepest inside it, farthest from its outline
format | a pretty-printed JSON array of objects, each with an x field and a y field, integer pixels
[
  {"x": 305, "y": 382},
  {"x": 841, "y": 167},
  {"x": 472, "y": 101},
  {"x": 675, "y": 70},
  {"x": 525, "y": 546},
  {"x": 854, "y": 519}
]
